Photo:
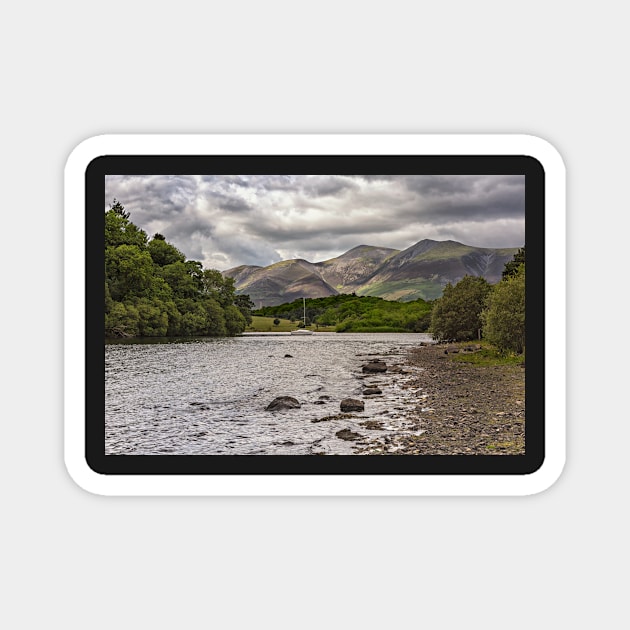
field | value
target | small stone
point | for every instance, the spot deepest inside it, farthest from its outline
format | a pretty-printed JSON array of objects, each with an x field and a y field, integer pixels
[
  {"x": 351, "y": 404},
  {"x": 283, "y": 402},
  {"x": 346, "y": 434},
  {"x": 374, "y": 425},
  {"x": 371, "y": 391},
  {"x": 375, "y": 366}
]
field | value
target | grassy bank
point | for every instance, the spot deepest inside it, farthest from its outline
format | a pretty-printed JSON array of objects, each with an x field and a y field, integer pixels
[
  {"x": 266, "y": 324},
  {"x": 486, "y": 356}
]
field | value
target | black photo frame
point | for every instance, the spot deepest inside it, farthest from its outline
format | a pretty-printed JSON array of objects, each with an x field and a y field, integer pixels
[{"x": 329, "y": 164}]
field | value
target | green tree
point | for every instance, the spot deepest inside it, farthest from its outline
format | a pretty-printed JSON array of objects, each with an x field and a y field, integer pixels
[
  {"x": 122, "y": 320},
  {"x": 128, "y": 271},
  {"x": 193, "y": 322},
  {"x": 215, "y": 285},
  {"x": 456, "y": 315},
  {"x": 164, "y": 253},
  {"x": 422, "y": 324},
  {"x": 244, "y": 304},
  {"x": 504, "y": 317},
  {"x": 160, "y": 289},
  {"x": 178, "y": 277},
  {"x": 235, "y": 323},
  {"x": 511, "y": 267},
  {"x": 152, "y": 290},
  {"x": 215, "y": 319},
  {"x": 153, "y": 318},
  {"x": 119, "y": 230},
  {"x": 108, "y": 299},
  {"x": 119, "y": 209},
  {"x": 195, "y": 270}
]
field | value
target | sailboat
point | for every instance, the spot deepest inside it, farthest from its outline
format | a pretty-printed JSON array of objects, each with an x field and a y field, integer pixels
[{"x": 302, "y": 331}]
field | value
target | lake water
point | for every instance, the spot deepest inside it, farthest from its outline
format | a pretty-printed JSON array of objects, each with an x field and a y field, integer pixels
[{"x": 208, "y": 396}]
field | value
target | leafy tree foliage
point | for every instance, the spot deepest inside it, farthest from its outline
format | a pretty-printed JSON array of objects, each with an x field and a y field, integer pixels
[
  {"x": 216, "y": 286},
  {"x": 235, "y": 322},
  {"x": 163, "y": 253},
  {"x": 119, "y": 209},
  {"x": 151, "y": 290},
  {"x": 119, "y": 230},
  {"x": 122, "y": 320},
  {"x": 177, "y": 276},
  {"x": 245, "y": 305},
  {"x": 504, "y": 317},
  {"x": 214, "y": 318},
  {"x": 511, "y": 268},
  {"x": 129, "y": 270},
  {"x": 152, "y": 318},
  {"x": 456, "y": 316}
]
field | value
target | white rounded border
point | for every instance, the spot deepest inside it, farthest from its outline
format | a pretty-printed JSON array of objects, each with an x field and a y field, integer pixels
[{"x": 315, "y": 485}]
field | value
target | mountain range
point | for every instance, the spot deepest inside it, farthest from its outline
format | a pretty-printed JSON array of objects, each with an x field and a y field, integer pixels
[{"x": 420, "y": 271}]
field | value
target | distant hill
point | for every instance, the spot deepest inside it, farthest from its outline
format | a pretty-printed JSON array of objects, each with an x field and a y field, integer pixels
[
  {"x": 350, "y": 270},
  {"x": 424, "y": 269},
  {"x": 242, "y": 273},
  {"x": 420, "y": 271},
  {"x": 281, "y": 282}
]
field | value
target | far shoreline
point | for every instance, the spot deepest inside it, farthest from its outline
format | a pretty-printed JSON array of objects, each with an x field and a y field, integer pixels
[{"x": 261, "y": 333}]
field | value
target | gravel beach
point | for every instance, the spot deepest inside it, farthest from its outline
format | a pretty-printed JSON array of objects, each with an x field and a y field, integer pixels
[{"x": 463, "y": 409}]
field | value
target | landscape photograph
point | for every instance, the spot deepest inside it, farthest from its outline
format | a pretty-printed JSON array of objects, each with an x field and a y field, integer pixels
[{"x": 314, "y": 315}]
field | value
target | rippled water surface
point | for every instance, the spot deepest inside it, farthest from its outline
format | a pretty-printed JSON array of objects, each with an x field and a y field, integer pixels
[{"x": 208, "y": 396}]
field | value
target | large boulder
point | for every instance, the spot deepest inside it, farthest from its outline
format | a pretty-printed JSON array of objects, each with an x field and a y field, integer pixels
[
  {"x": 375, "y": 366},
  {"x": 283, "y": 402},
  {"x": 352, "y": 404}
]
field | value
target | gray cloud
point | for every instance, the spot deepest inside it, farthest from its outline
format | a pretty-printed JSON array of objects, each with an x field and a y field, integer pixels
[
  {"x": 328, "y": 186},
  {"x": 229, "y": 220}
]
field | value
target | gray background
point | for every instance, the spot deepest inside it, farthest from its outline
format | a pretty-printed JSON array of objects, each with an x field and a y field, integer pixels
[{"x": 73, "y": 70}]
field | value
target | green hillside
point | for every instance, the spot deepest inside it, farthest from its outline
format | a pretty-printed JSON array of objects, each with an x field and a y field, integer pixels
[
  {"x": 354, "y": 313},
  {"x": 403, "y": 290}
]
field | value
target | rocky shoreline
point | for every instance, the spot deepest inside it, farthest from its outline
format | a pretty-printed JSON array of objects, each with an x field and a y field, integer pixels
[
  {"x": 421, "y": 400},
  {"x": 462, "y": 409}
]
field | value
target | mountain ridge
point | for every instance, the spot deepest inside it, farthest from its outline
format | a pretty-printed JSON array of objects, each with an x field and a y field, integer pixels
[{"x": 419, "y": 271}]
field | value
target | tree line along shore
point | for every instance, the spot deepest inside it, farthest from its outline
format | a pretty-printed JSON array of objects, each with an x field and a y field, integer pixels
[{"x": 152, "y": 290}]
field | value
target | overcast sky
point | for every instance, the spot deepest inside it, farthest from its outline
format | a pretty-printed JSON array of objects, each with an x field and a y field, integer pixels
[{"x": 229, "y": 220}]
